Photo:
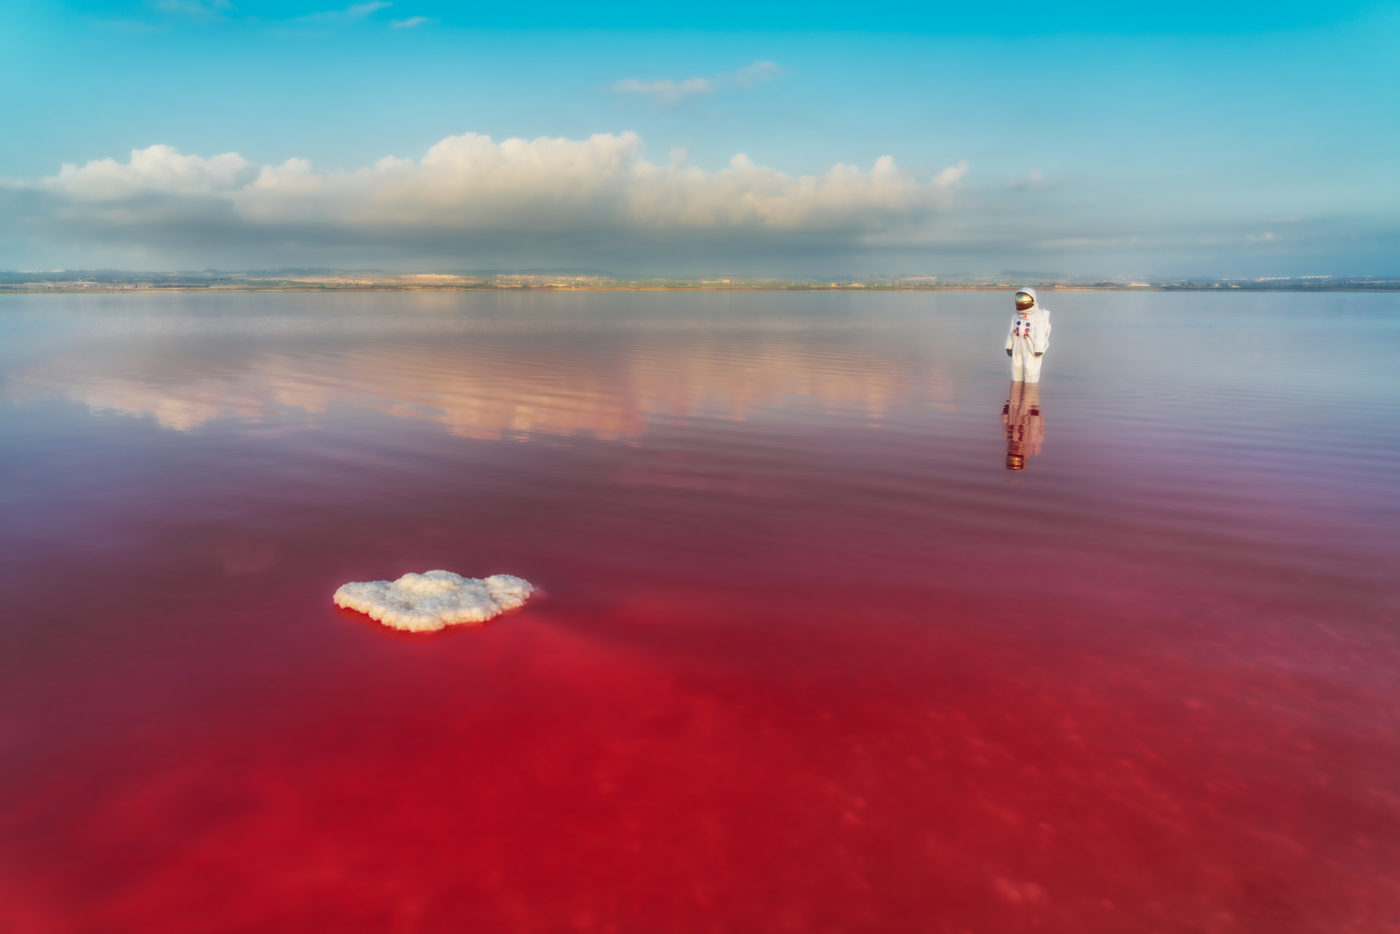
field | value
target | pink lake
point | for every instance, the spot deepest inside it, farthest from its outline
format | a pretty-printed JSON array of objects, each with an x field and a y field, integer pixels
[{"x": 810, "y": 657}]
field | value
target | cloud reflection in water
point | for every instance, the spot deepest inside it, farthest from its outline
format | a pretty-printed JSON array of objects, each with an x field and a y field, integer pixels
[{"x": 493, "y": 386}]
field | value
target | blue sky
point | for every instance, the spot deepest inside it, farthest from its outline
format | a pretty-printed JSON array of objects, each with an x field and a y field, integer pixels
[{"x": 1087, "y": 139}]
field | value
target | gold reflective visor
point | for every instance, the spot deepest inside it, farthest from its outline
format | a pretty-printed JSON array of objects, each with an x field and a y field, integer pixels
[{"x": 1024, "y": 301}]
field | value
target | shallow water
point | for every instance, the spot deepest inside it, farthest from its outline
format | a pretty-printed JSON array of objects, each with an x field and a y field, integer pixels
[{"x": 811, "y": 657}]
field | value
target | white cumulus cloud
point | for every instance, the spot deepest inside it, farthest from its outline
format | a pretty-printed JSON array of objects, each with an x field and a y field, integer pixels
[
  {"x": 475, "y": 202},
  {"x": 434, "y": 600},
  {"x": 541, "y": 186},
  {"x": 156, "y": 169}
]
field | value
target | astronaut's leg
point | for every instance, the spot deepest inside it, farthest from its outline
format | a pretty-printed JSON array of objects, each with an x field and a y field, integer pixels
[
  {"x": 1018, "y": 357},
  {"x": 1031, "y": 364}
]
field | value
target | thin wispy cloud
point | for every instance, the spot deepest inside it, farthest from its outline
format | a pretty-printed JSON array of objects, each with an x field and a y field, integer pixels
[
  {"x": 351, "y": 14},
  {"x": 1034, "y": 180},
  {"x": 668, "y": 91},
  {"x": 225, "y": 10},
  {"x": 757, "y": 73},
  {"x": 195, "y": 9},
  {"x": 664, "y": 90}
]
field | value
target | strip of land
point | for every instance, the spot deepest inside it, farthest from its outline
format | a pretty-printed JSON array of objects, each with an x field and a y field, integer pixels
[{"x": 319, "y": 280}]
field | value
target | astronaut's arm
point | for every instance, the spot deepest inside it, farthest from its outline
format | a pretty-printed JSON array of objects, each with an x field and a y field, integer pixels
[{"x": 1042, "y": 339}]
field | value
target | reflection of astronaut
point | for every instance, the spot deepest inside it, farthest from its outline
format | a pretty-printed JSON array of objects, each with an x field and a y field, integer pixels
[
  {"x": 1029, "y": 336},
  {"x": 1025, "y": 426}
]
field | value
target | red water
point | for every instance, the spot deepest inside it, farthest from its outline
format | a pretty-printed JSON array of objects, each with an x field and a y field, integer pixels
[{"x": 810, "y": 658}]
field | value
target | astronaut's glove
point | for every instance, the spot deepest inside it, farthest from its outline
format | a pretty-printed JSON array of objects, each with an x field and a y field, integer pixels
[
  {"x": 1041, "y": 354},
  {"x": 1008, "y": 353}
]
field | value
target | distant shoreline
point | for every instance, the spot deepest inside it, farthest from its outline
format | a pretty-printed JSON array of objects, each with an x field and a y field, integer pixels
[
  {"x": 312, "y": 289},
  {"x": 290, "y": 279}
]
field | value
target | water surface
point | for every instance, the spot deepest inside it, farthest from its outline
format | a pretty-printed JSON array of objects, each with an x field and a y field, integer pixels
[{"x": 811, "y": 657}]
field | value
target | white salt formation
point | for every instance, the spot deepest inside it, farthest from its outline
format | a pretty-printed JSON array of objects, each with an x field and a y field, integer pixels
[{"x": 435, "y": 600}]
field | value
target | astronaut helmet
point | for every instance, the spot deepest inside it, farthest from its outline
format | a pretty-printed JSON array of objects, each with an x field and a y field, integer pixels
[
  {"x": 1025, "y": 300},
  {"x": 1015, "y": 455}
]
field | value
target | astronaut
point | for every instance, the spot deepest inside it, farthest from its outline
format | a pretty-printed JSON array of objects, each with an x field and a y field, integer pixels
[
  {"x": 1029, "y": 337},
  {"x": 1025, "y": 426}
]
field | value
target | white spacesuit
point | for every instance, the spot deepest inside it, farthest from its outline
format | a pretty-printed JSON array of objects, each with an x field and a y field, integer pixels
[{"x": 1029, "y": 337}]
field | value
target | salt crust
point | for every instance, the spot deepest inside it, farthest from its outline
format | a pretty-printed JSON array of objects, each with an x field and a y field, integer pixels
[{"x": 434, "y": 600}]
